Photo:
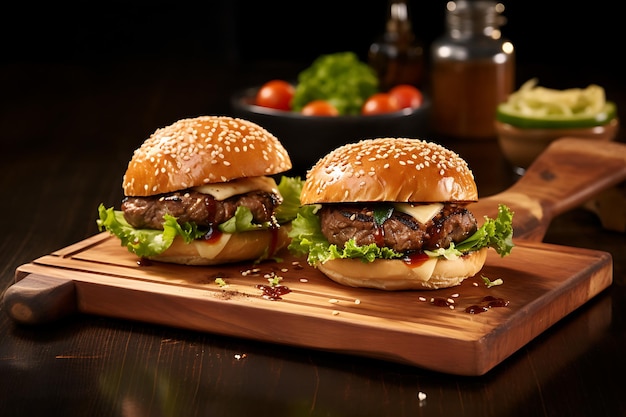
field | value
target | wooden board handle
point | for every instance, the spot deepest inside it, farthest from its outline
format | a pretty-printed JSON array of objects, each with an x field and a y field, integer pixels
[
  {"x": 37, "y": 299},
  {"x": 566, "y": 175}
]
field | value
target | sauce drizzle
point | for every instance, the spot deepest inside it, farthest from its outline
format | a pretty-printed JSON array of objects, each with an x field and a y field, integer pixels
[
  {"x": 144, "y": 262},
  {"x": 416, "y": 259},
  {"x": 487, "y": 302},
  {"x": 273, "y": 292}
]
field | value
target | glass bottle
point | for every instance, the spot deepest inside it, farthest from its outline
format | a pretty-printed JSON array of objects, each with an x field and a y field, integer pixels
[
  {"x": 472, "y": 70},
  {"x": 398, "y": 55}
]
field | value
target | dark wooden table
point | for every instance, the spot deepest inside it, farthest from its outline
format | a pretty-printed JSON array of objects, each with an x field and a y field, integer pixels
[{"x": 67, "y": 134}]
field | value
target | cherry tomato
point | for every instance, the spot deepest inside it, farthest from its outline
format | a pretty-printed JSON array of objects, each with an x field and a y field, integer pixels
[
  {"x": 275, "y": 94},
  {"x": 408, "y": 96},
  {"x": 320, "y": 108},
  {"x": 380, "y": 103}
]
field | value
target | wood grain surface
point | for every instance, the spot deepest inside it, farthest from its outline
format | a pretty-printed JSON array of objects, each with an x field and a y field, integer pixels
[
  {"x": 542, "y": 283},
  {"x": 566, "y": 175}
]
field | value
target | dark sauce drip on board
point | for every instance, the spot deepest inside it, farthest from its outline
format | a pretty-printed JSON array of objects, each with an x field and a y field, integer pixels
[
  {"x": 440, "y": 302},
  {"x": 487, "y": 302},
  {"x": 273, "y": 292}
]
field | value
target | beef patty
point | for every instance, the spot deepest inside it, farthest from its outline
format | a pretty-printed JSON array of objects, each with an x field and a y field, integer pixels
[
  {"x": 192, "y": 206},
  {"x": 400, "y": 232}
]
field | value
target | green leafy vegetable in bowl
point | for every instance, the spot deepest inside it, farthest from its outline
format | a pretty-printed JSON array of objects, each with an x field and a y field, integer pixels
[
  {"x": 533, "y": 106},
  {"x": 339, "y": 78}
]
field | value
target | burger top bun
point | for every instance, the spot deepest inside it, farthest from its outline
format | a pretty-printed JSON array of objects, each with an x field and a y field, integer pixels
[
  {"x": 203, "y": 150},
  {"x": 390, "y": 169}
]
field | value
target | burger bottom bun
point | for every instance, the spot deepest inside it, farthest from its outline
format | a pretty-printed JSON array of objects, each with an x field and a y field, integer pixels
[
  {"x": 230, "y": 248},
  {"x": 387, "y": 274}
]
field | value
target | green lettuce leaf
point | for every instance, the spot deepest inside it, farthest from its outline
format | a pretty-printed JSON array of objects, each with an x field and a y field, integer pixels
[
  {"x": 241, "y": 222},
  {"x": 290, "y": 188},
  {"x": 145, "y": 242},
  {"x": 494, "y": 233}
]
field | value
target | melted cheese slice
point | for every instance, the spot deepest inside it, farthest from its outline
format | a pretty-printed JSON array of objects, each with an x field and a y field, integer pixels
[
  {"x": 223, "y": 190},
  {"x": 421, "y": 212},
  {"x": 211, "y": 248}
]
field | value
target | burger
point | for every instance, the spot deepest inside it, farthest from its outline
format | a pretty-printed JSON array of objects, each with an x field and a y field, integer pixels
[
  {"x": 392, "y": 214},
  {"x": 201, "y": 191}
]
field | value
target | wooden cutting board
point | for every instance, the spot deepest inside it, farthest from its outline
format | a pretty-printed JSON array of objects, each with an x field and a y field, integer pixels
[{"x": 541, "y": 283}]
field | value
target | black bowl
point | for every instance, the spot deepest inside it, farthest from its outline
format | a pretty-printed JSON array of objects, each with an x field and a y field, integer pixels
[{"x": 308, "y": 138}]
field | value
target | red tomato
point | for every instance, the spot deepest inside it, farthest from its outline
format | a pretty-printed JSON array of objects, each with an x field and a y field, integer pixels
[
  {"x": 380, "y": 103},
  {"x": 408, "y": 96},
  {"x": 275, "y": 94},
  {"x": 320, "y": 108}
]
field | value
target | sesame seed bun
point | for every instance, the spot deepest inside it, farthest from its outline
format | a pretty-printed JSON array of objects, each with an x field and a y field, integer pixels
[
  {"x": 390, "y": 169},
  {"x": 208, "y": 150},
  {"x": 203, "y": 150}
]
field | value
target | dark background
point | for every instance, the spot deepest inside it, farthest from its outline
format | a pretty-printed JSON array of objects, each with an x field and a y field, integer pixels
[
  {"x": 584, "y": 36},
  {"x": 210, "y": 48},
  {"x": 588, "y": 35}
]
